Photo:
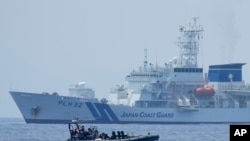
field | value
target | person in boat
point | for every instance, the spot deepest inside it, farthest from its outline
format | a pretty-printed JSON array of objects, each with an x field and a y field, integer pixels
[
  {"x": 82, "y": 128},
  {"x": 86, "y": 134},
  {"x": 74, "y": 133}
]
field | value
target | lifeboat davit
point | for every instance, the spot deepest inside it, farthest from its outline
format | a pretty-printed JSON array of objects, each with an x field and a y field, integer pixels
[{"x": 207, "y": 91}]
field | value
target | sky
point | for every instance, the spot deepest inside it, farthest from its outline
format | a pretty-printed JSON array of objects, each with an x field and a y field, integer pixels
[{"x": 49, "y": 45}]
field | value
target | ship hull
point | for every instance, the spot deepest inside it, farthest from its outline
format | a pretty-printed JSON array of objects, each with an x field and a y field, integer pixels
[{"x": 44, "y": 108}]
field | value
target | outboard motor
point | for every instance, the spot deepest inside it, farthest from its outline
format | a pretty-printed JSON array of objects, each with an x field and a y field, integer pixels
[
  {"x": 113, "y": 136},
  {"x": 122, "y": 134},
  {"x": 119, "y": 134}
]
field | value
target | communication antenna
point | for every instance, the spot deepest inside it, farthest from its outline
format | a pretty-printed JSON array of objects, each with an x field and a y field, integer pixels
[
  {"x": 189, "y": 44},
  {"x": 145, "y": 59}
]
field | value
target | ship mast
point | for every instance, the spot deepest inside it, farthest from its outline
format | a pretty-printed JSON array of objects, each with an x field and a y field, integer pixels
[
  {"x": 189, "y": 44},
  {"x": 145, "y": 60}
]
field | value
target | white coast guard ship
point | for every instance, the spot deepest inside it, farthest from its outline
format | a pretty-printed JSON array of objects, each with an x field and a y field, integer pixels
[{"x": 178, "y": 92}]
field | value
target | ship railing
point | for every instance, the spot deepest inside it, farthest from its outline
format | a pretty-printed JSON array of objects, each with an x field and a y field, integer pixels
[{"x": 115, "y": 90}]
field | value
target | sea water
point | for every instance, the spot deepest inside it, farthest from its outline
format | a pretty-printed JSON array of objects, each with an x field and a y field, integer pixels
[{"x": 17, "y": 130}]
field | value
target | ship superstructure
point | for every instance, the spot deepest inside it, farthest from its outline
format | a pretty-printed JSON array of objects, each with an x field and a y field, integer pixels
[
  {"x": 168, "y": 86},
  {"x": 80, "y": 90}
]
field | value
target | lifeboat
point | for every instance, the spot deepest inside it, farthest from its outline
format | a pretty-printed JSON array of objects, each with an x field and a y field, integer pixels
[{"x": 207, "y": 91}]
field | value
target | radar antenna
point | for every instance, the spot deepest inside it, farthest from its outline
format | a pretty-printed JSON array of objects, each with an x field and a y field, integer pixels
[{"x": 189, "y": 44}]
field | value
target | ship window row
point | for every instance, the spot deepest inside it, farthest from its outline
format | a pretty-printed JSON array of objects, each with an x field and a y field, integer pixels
[
  {"x": 188, "y": 70},
  {"x": 146, "y": 75}
]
